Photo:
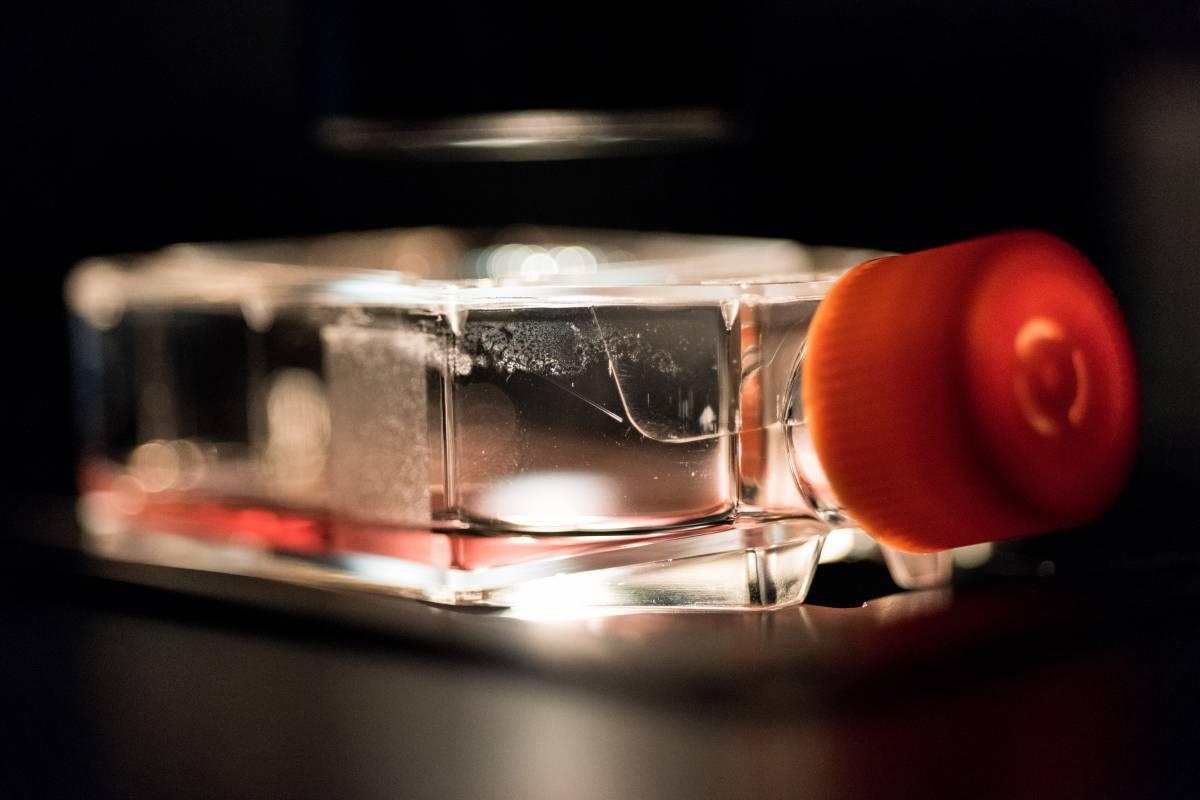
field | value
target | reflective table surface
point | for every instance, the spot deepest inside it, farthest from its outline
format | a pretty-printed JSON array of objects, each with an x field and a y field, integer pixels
[{"x": 129, "y": 681}]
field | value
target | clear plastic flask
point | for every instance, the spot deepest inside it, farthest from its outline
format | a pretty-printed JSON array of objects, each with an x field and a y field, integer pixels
[{"x": 556, "y": 418}]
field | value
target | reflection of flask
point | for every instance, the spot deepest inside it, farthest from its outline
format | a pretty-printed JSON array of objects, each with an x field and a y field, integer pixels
[{"x": 593, "y": 418}]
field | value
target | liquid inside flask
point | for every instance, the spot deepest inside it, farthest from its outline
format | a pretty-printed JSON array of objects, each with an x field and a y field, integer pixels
[{"x": 552, "y": 418}]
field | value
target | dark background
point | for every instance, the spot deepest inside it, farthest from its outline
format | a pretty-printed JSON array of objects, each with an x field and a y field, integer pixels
[{"x": 132, "y": 125}]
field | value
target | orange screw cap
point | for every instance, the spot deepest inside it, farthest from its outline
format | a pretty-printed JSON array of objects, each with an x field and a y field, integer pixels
[{"x": 980, "y": 391}]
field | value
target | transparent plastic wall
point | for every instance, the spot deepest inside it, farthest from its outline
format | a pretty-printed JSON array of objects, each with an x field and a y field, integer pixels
[{"x": 451, "y": 401}]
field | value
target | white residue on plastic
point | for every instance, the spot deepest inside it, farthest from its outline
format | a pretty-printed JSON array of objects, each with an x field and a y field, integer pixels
[
  {"x": 380, "y": 452},
  {"x": 557, "y": 348}
]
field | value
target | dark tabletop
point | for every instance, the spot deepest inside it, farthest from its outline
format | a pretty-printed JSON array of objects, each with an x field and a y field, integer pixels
[{"x": 121, "y": 680}]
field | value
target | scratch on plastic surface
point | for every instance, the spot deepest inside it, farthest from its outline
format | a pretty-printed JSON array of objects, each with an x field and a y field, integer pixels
[{"x": 590, "y": 402}]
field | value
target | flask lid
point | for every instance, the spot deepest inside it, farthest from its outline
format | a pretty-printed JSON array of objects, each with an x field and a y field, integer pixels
[{"x": 979, "y": 391}]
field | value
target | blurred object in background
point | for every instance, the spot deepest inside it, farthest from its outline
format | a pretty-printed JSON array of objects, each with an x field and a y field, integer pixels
[{"x": 528, "y": 135}]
